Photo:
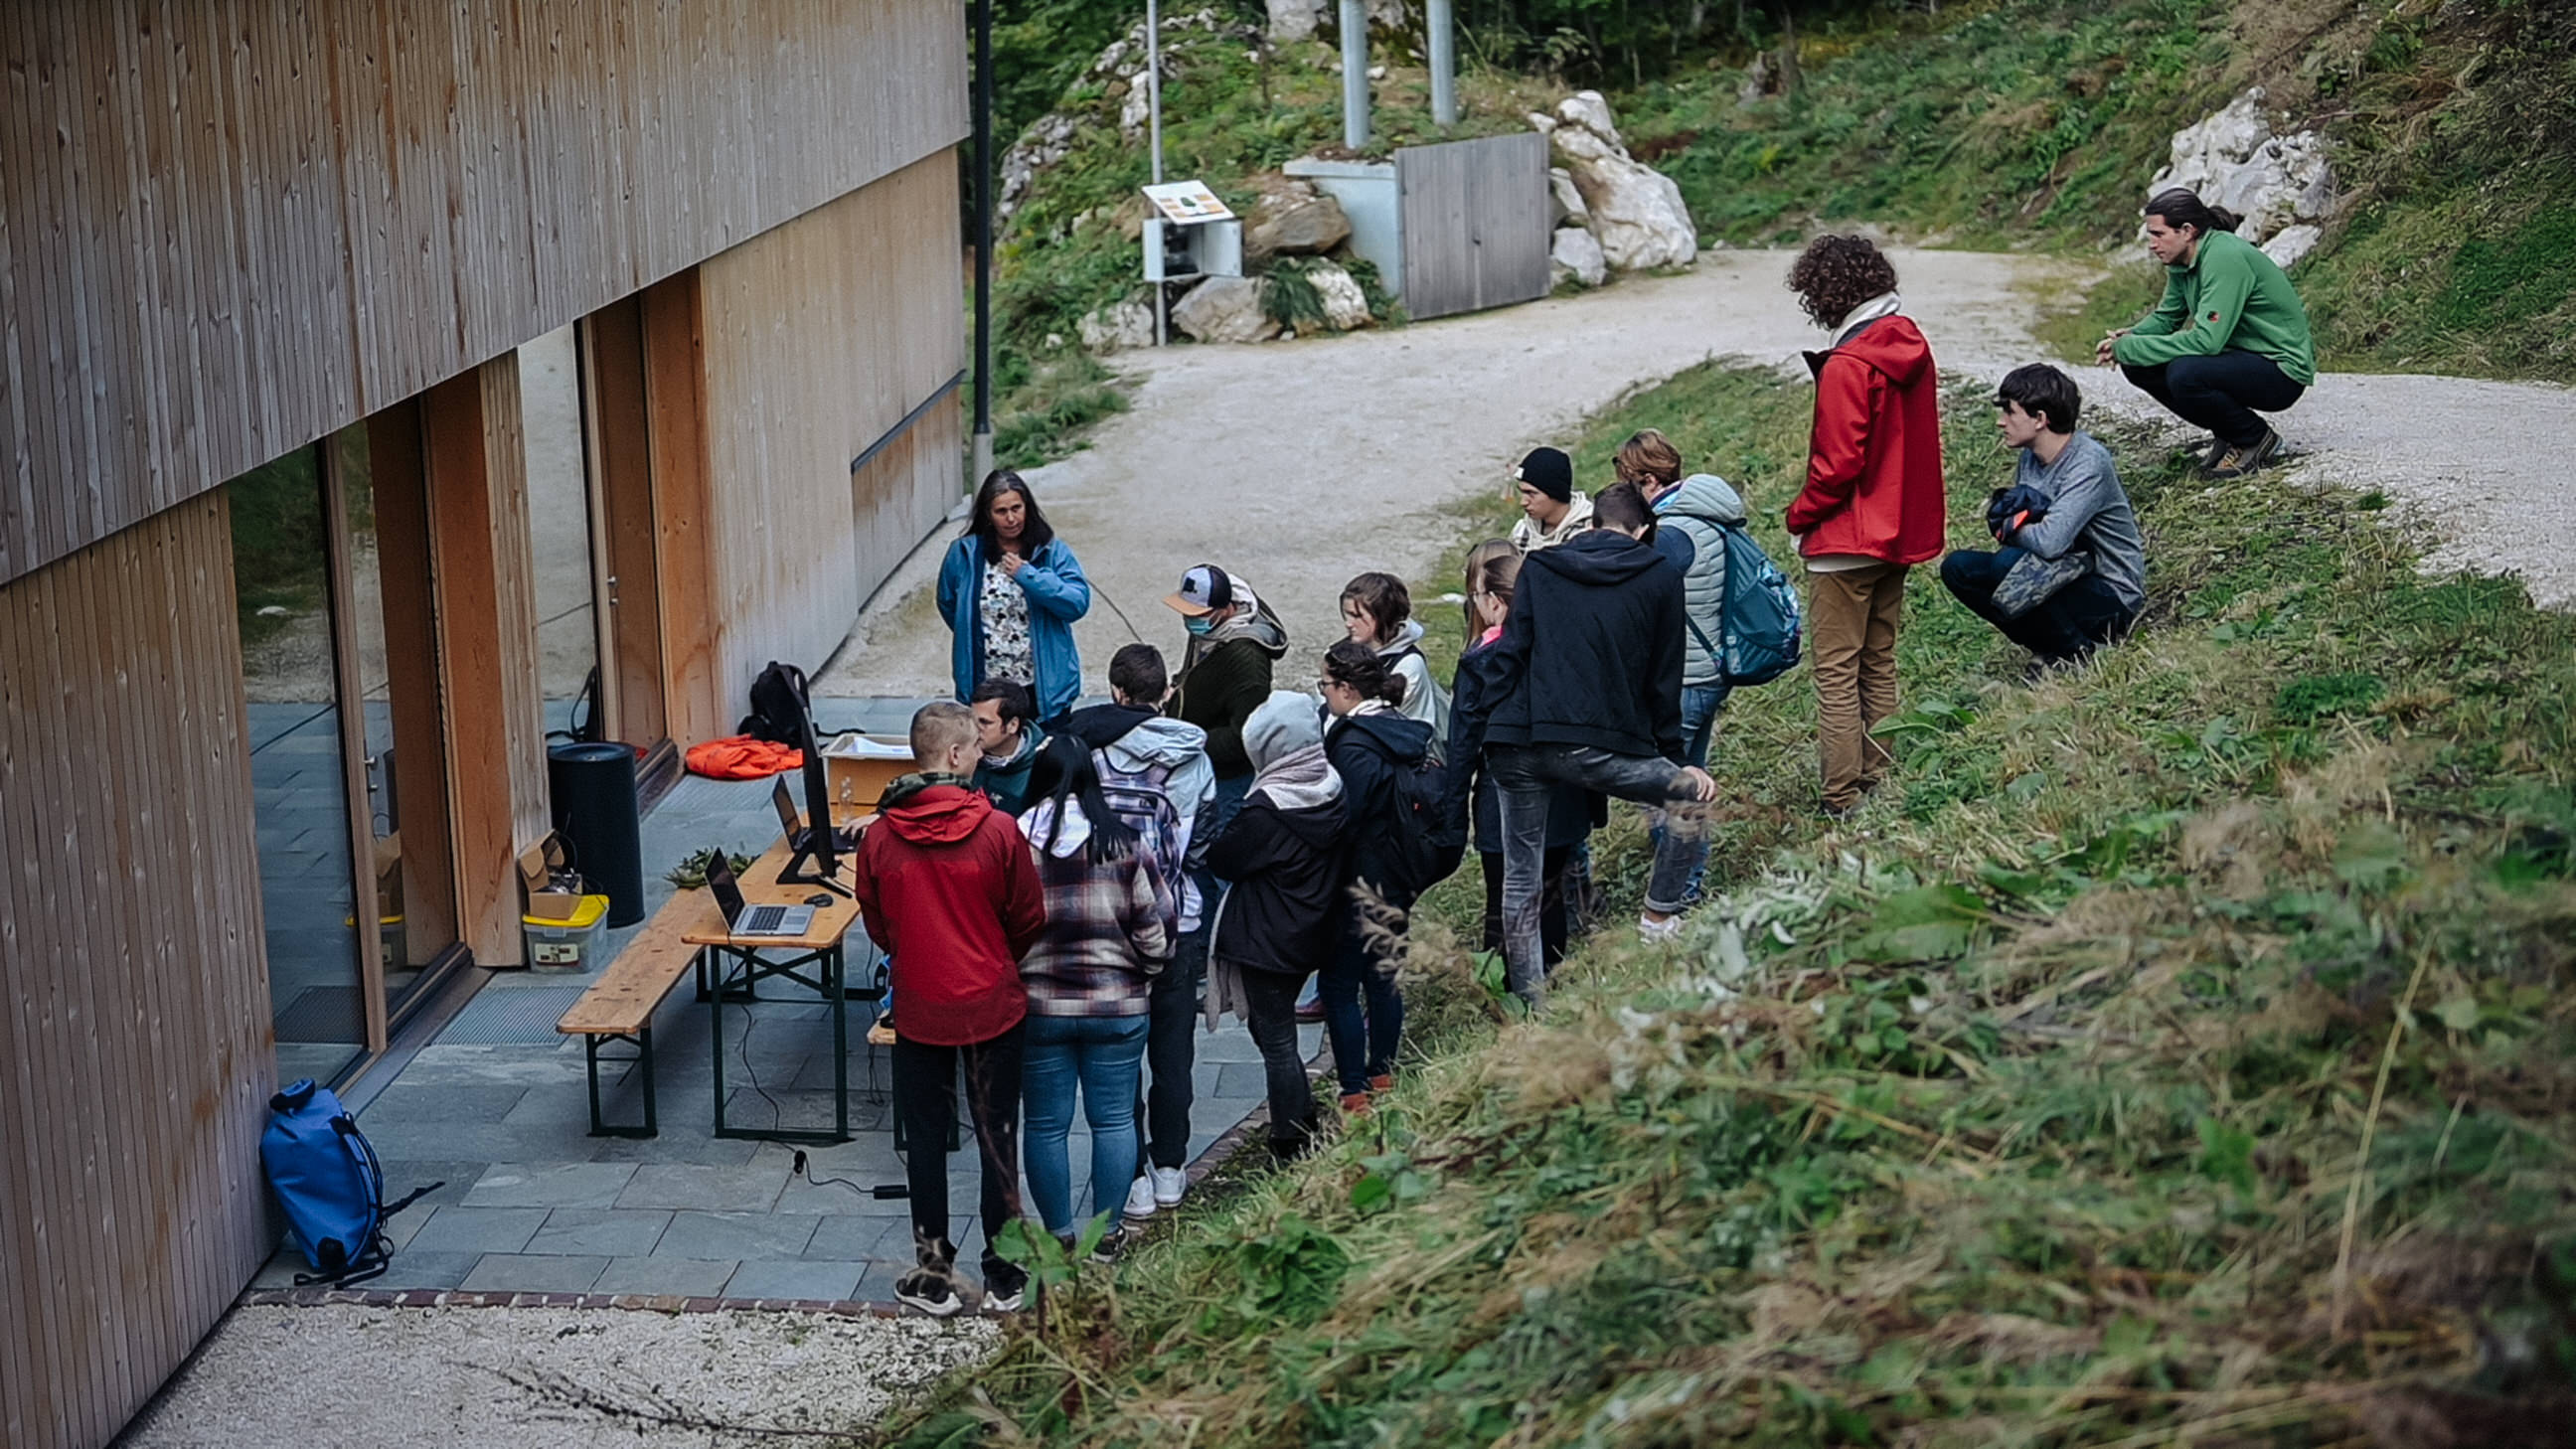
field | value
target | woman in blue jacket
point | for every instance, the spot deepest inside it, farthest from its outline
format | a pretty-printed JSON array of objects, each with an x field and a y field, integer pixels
[{"x": 1010, "y": 591}]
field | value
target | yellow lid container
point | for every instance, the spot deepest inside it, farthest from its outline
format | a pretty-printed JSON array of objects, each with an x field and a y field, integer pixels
[{"x": 583, "y": 917}]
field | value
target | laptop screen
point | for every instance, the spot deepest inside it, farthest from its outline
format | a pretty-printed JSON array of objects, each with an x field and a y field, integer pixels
[
  {"x": 786, "y": 806},
  {"x": 720, "y": 880}
]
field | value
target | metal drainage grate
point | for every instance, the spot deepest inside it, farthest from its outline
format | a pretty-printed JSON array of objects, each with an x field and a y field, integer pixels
[
  {"x": 330, "y": 1014},
  {"x": 511, "y": 1015}
]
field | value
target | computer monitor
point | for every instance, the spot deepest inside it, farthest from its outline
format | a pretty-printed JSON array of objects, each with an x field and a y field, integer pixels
[{"x": 816, "y": 858}]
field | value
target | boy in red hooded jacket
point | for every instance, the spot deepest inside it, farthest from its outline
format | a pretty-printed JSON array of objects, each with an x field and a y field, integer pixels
[
  {"x": 1874, "y": 504},
  {"x": 950, "y": 892}
]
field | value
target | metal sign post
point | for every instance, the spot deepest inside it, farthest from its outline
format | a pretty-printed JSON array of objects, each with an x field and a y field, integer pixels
[{"x": 1154, "y": 131}]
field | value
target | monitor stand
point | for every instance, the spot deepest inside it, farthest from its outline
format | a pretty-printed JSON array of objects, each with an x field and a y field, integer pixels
[{"x": 810, "y": 865}]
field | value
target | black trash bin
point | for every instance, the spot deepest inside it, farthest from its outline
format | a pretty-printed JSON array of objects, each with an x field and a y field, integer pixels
[{"x": 594, "y": 792}]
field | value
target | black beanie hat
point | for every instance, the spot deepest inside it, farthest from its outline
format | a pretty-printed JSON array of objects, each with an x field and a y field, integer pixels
[{"x": 1548, "y": 471}]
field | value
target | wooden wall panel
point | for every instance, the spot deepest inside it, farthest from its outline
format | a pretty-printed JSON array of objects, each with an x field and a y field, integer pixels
[
  {"x": 476, "y": 464},
  {"x": 135, "y": 1043},
  {"x": 227, "y": 230},
  {"x": 819, "y": 339}
]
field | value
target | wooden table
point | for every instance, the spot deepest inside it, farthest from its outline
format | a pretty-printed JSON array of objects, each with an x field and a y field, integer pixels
[{"x": 742, "y": 963}]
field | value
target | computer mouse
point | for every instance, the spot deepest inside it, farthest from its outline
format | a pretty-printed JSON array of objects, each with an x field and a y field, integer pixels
[{"x": 818, "y": 899}]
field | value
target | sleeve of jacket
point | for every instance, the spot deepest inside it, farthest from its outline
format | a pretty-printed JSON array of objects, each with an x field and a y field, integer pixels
[
  {"x": 1847, "y": 401},
  {"x": 952, "y": 580},
  {"x": 1023, "y": 894},
  {"x": 1466, "y": 752},
  {"x": 1665, "y": 664},
  {"x": 863, "y": 889},
  {"x": 1058, "y": 585},
  {"x": 2077, "y": 500},
  {"x": 1149, "y": 904},
  {"x": 2169, "y": 313},
  {"x": 1248, "y": 846},
  {"x": 2225, "y": 284},
  {"x": 1511, "y": 653}
]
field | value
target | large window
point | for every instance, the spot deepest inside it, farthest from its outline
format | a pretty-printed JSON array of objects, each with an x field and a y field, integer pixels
[{"x": 559, "y": 514}]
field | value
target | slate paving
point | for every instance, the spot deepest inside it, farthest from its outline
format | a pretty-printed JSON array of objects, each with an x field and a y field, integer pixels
[{"x": 532, "y": 1203}]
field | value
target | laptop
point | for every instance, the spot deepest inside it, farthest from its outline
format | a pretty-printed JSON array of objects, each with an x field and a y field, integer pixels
[
  {"x": 844, "y": 838},
  {"x": 750, "y": 921}
]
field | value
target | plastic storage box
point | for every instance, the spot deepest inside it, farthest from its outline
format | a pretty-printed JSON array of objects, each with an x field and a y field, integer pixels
[{"x": 564, "y": 945}]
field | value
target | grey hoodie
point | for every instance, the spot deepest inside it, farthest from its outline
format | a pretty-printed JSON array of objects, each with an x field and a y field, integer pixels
[{"x": 1702, "y": 507}]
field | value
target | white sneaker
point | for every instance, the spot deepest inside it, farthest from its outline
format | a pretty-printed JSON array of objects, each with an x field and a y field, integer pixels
[
  {"x": 1667, "y": 929},
  {"x": 1142, "y": 1197},
  {"x": 1169, "y": 1184}
]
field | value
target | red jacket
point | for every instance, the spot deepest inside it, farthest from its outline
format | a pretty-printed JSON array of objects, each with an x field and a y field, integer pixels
[
  {"x": 1874, "y": 460},
  {"x": 948, "y": 889}
]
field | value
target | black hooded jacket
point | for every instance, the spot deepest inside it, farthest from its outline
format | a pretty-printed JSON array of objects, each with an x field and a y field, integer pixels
[
  {"x": 1370, "y": 751},
  {"x": 1288, "y": 868},
  {"x": 1471, "y": 796},
  {"x": 1592, "y": 652}
]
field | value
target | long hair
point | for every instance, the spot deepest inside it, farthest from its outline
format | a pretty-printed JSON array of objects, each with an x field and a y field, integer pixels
[
  {"x": 1493, "y": 567},
  {"x": 1384, "y": 598},
  {"x": 2181, "y": 206},
  {"x": 1064, "y": 771},
  {"x": 1353, "y": 663},
  {"x": 1034, "y": 534}
]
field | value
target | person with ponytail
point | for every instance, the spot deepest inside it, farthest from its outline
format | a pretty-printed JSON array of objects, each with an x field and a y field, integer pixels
[
  {"x": 1373, "y": 748},
  {"x": 1090, "y": 984},
  {"x": 2229, "y": 341}
]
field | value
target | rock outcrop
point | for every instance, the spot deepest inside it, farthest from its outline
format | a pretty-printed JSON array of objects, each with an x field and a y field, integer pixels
[
  {"x": 1574, "y": 256},
  {"x": 1225, "y": 309},
  {"x": 2283, "y": 186},
  {"x": 1634, "y": 211},
  {"x": 1119, "y": 325}
]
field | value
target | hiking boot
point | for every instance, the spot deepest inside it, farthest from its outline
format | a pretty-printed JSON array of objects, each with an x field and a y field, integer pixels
[
  {"x": 1355, "y": 1104},
  {"x": 1140, "y": 1198},
  {"x": 1169, "y": 1184},
  {"x": 1382, "y": 1082},
  {"x": 2252, "y": 458},
  {"x": 928, "y": 1289}
]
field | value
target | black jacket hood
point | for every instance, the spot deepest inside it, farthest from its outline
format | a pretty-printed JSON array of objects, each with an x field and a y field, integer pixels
[
  {"x": 1099, "y": 726},
  {"x": 1319, "y": 826},
  {"x": 1596, "y": 557},
  {"x": 1404, "y": 740}
]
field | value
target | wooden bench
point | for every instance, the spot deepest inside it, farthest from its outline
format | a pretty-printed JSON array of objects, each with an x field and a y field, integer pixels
[{"x": 618, "y": 1008}]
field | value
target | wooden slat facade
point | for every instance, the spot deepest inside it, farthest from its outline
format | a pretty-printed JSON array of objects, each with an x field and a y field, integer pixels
[
  {"x": 133, "y": 1080},
  {"x": 226, "y": 230}
]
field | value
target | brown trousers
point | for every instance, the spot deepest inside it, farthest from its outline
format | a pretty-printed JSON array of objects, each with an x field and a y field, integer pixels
[{"x": 1852, "y": 617}]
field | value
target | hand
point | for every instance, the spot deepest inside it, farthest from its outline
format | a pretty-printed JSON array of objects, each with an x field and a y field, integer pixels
[
  {"x": 2102, "y": 349},
  {"x": 1010, "y": 563},
  {"x": 1703, "y": 789}
]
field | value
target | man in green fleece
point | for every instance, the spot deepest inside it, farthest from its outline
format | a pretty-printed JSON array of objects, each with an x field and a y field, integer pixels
[{"x": 2230, "y": 338}]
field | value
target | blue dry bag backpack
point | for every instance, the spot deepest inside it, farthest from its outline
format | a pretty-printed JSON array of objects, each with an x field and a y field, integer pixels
[
  {"x": 332, "y": 1186},
  {"x": 1761, "y": 615}
]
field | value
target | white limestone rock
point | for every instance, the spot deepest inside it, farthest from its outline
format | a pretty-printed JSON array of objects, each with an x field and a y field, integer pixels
[
  {"x": 2233, "y": 159},
  {"x": 2292, "y": 242},
  {"x": 1118, "y": 326},
  {"x": 1225, "y": 309},
  {"x": 1564, "y": 201},
  {"x": 1574, "y": 256},
  {"x": 1295, "y": 20},
  {"x": 1634, "y": 211},
  {"x": 1345, "y": 305}
]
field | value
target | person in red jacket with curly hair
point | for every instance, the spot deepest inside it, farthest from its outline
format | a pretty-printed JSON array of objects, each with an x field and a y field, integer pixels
[{"x": 1874, "y": 505}]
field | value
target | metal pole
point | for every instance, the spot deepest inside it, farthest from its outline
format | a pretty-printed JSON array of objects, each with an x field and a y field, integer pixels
[
  {"x": 1355, "y": 84},
  {"x": 1154, "y": 130},
  {"x": 1441, "y": 22},
  {"x": 983, "y": 241}
]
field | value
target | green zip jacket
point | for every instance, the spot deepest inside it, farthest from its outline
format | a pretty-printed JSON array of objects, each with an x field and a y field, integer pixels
[{"x": 2229, "y": 295}]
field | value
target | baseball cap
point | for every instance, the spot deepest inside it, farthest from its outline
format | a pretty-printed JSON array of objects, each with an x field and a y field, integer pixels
[{"x": 1204, "y": 590}]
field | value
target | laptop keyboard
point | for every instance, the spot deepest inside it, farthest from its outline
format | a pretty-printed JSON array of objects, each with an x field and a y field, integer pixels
[{"x": 763, "y": 919}]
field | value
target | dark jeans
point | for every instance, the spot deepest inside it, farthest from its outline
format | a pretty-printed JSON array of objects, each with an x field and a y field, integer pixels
[
  {"x": 925, "y": 1099},
  {"x": 1551, "y": 904},
  {"x": 1271, "y": 998},
  {"x": 1523, "y": 773},
  {"x": 1686, "y": 841},
  {"x": 2220, "y": 393},
  {"x": 1364, "y": 1044},
  {"x": 1171, "y": 1051},
  {"x": 2069, "y": 624}
]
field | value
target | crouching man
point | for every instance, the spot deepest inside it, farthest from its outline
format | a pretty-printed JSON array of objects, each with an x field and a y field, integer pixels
[{"x": 2071, "y": 574}]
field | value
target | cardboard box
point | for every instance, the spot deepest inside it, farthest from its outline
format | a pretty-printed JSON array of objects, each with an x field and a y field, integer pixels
[
  {"x": 549, "y": 898},
  {"x": 857, "y": 768}
]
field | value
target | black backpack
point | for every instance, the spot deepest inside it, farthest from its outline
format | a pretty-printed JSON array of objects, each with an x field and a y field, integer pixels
[
  {"x": 1409, "y": 844},
  {"x": 781, "y": 710}
]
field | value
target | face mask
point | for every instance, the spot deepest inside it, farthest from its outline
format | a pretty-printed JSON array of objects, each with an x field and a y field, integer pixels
[{"x": 1200, "y": 625}]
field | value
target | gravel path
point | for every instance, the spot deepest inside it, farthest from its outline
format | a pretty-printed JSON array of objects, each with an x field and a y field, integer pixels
[
  {"x": 1304, "y": 463},
  {"x": 528, "y": 1378}
]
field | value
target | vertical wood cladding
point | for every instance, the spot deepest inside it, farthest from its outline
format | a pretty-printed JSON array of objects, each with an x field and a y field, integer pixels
[
  {"x": 226, "y": 230},
  {"x": 135, "y": 1047},
  {"x": 818, "y": 340}
]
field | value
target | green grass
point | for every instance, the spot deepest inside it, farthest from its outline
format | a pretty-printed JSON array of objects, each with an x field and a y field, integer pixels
[{"x": 2179, "y": 1048}]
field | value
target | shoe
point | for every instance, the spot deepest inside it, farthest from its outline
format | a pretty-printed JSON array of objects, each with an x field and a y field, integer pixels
[
  {"x": 929, "y": 1290},
  {"x": 2252, "y": 458},
  {"x": 2210, "y": 450},
  {"x": 1355, "y": 1104},
  {"x": 1311, "y": 1010},
  {"x": 1142, "y": 1199},
  {"x": 1169, "y": 1184},
  {"x": 1382, "y": 1082},
  {"x": 1655, "y": 932},
  {"x": 1112, "y": 1244},
  {"x": 998, "y": 1301}
]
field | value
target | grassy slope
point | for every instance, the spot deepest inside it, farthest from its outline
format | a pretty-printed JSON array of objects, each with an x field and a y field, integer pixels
[{"x": 2026, "y": 1109}]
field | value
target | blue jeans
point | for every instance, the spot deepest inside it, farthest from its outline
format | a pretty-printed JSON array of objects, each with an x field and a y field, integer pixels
[
  {"x": 1681, "y": 855},
  {"x": 2069, "y": 624},
  {"x": 1364, "y": 1046},
  {"x": 1103, "y": 1055}
]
